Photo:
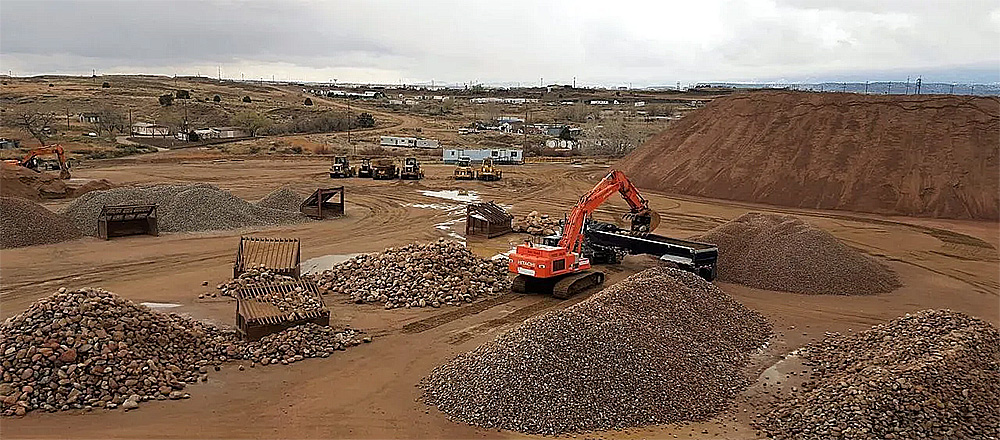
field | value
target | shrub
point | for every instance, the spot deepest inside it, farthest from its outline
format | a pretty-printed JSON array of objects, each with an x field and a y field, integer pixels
[
  {"x": 309, "y": 101},
  {"x": 217, "y": 98},
  {"x": 166, "y": 100},
  {"x": 183, "y": 94},
  {"x": 246, "y": 99},
  {"x": 365, "y": 120},
  {"x": 106, "y": 85}
]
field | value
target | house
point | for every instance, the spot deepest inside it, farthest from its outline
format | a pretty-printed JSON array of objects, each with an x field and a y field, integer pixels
[
  {"x": 206, "y": 133},
  {"x": 640, "y": 103},
  {"x": 598, "y": 102},
  {"x": 90, "y": 118},
  {"x": 147, "y": 129},
  {"x": 500, "y": 156},
  {"x": 409, "y": 142}
]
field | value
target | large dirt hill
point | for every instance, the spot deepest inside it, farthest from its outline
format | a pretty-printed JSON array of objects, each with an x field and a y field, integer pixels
[{"x": 933, "y": 155}]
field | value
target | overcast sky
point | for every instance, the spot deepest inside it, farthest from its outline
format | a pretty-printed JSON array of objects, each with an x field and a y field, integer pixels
[{"x": 610, "y": 42}]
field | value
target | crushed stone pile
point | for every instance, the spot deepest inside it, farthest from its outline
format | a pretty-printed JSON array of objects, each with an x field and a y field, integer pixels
[
  {"x": 932, "y": 374},
  {"x": 284, "y": 198},
  {"x": 253, "y": 277},
  {"x": 536, "y": 224},
  {"x": 301, "y": 342},
  {"x": 181, "y": 208},
  {"x": 662, "y": 346},
  {"x": 91, "y": 348},
  {"x": 780, "y": 252},
  {"x": 416, "y": 275},
  {"x": 26, "y": 223}
]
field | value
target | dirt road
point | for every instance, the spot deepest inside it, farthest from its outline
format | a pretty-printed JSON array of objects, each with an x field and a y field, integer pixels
[{"x": 369, "y": 391}]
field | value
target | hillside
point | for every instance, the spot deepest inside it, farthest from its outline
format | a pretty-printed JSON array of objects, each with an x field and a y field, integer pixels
[{"x": 930, "y": 155}]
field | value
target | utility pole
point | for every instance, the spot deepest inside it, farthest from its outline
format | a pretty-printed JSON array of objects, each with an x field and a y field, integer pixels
[
  {"x": 918, "y": 85},
  {"x": 889, "y": 92},
  {"x": 866, "y": 87},
  {"x": 952, "y": 92},
  {"x": 524, "y": 127},
  {"x": 907, "y": 86},
  {"x": 349, "y": 125}
]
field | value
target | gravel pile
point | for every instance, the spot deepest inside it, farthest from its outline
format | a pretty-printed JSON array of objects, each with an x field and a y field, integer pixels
[
  {"x": 92, "y": 348},
  {"x": 662, "y": 346},
  {"x": 933, "y": 374},
  {"x": 181, "y": 208},
  {"x": 300, "y": 342},
  {"x": 284, "y": 198},
  {"x": 250, "y": 278},
  {"x": 417, "y": 275},
  {"x": 26, "y": 223},
  {"x": 536, "y": 224},
  {"x": 779, "y": 252}
]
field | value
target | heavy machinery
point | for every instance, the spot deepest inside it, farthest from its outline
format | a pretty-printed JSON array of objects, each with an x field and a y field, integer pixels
[
  {"x": 31, "y": 160},
  {"x": 411, "y": 169},
  {"x": 365, "y": 170},
  {"x": 341, "y": 168},
  {"x": 464, "y": 170},
  {"x": 561, "y": 265},
  {"x": 489, "y": 172},
  {"x": 384, "y": 169}
]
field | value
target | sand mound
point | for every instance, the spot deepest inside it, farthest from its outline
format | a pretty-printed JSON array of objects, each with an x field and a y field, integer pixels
[
  {"x": 21, "y": 182},
  {"x": 780, "y": 252},
  {"x": 932, "y": 374},
  {"x": 26, "y": 223},
  {"x": 928, "y": 155},
  {"x": 661, "y": 346},
  {"x": 284, "y": 198},
  {"x": 180, "y": 208}
]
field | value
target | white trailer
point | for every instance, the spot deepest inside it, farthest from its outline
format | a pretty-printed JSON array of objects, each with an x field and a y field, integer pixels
[
  {"x": 409, "y": 142},
  {"x": 500, "y": 156}
]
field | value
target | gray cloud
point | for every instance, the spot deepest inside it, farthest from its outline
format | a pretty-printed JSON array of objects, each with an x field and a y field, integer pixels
[{"x": 518, "y": 40}]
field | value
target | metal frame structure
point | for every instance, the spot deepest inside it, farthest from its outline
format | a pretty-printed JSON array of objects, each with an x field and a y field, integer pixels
[
  {"x": 123, "y": 220},
  {"x": 321, "y": 204},
  {"x": 256, "y": 319},
  {"x": 487, "y": 219},
  {"x": 279, "y": 255}
]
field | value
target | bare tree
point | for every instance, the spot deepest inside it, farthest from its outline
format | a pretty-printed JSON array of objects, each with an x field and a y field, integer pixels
[
  {"x": 35, "y": 123},
  {"x": 108, "y": 120},
  {"x": 612, "y": 138}
]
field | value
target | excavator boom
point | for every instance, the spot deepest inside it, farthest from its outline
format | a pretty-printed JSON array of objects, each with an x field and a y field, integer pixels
[{"x": 54, "y": 149}]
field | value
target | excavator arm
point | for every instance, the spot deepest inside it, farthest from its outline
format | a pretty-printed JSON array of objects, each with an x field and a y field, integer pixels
[
  {"x": 55, "y": 149},
  {"x": 572, "y": 234}
]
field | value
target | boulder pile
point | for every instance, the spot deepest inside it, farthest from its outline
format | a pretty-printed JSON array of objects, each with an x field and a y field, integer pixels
[
  {"x": 932, "y": 374},
  {"x": 253, "y": 277},
  {"x": 284, "y": 198},
  {"x": 781, "y": 252},
  {"x": 26, "y": 223},
  {"x": 300, "y": 342},
  {"x": 416, "y": 275},
  {"x": 662, "y": 346},
  {"x": 90, "y": 348},
  {"x": 180, "y": 208},
  {"x": 536, "y": 224}
]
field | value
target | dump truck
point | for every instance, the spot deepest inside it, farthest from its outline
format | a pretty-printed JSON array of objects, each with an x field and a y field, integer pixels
[
  {"x": 464, "y": 170},
  {"x": 341, "y": 168},
  {"x": 384, "y": 169},
  {"x": 365, "y": 170},
  {"x": 411, "y": 169},
  {"x": 489, "y": 172}
]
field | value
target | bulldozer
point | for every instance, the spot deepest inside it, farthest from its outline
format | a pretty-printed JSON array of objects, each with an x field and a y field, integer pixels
[
  {"x": 384, "y": 169},
  {"x": 489, "y": 172},
  {"x": 411, "y": 169},
  {"x": 464, "y": 170},
  {"x": 32, "y": 161},
  {"x": 365, "y": 170},
  {"x": 341, "y": 168}
]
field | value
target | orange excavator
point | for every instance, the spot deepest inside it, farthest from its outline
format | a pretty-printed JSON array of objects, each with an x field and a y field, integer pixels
[
  {"x": 562, "y": 269},
  {"x": 29, "y": 160}
]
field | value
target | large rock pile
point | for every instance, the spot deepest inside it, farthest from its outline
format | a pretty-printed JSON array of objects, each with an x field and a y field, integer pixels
[
  {"x": 284, "y": 198},
  {"x": 300, "y": 342},
  {"x": 181, "y": 208},
  {"x": 933, "y": 374},
  {"x": 416, "y": 275},
  {"x": 780, "y": 252},
  {"x": 92, "y": 348},
  {"x": 536, "y": 224},
  {"x": 26, "y": 223},
  {"x": 662, "y": 346}
]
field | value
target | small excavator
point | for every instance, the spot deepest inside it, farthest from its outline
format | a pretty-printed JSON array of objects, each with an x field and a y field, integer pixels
[
  {"x": 30, "y": 160},
  {"x": 562, "y": 265}
]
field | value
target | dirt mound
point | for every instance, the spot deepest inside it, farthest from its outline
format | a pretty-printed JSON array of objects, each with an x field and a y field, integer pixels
[
  {"x": 928, "y": 155},
  {"x": 933, "y": 374},
  {"x": 780, "y": 252},
  {"x": 26, "y": 223},
  {"x": 21, "y": 182},
  {"x": 284, "y": 198},
  {"x": 662, "y": 346},
  {"x": 180, "y": 208}
]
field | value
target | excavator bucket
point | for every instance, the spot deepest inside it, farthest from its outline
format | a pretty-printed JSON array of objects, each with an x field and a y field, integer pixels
[
  {"x": 645, "y": 221},
  {"x": 122, "y": 220}
]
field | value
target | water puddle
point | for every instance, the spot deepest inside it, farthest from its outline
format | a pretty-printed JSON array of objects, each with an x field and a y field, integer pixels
[{"x": 326, "y": 262}]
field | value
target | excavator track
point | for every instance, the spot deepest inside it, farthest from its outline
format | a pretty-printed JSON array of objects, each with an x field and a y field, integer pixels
[{"x": 571, "y": 285}]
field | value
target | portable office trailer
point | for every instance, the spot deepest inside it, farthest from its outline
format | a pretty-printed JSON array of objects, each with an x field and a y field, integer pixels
[{"x": 500, "y": 156}]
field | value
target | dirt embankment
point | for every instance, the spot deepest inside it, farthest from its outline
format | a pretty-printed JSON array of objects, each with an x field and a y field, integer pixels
[{"x": 929, "y": 155}]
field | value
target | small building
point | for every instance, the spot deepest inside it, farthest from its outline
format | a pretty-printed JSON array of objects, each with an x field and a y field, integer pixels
[
  {"x": 408, "y": 142},
  {"x": 640, "y": 103},
  {"x": 147, "y": 129},
  {"x": 598, "y": 102},
  {"x": 500, "y": 156},
  {"x": 228, "y": 132},
  {"x": 90, "y": 118}
]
